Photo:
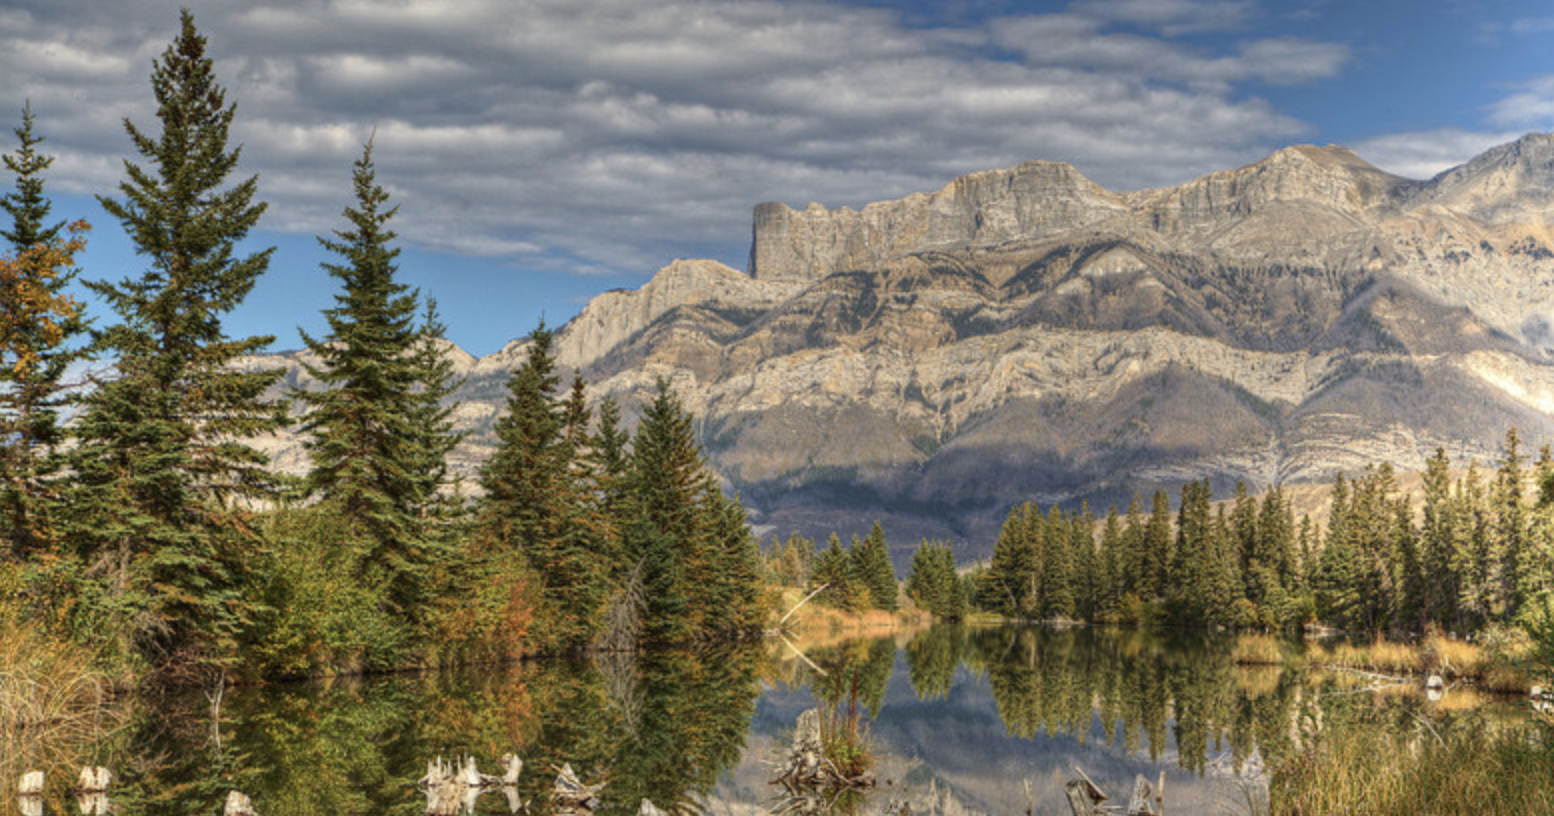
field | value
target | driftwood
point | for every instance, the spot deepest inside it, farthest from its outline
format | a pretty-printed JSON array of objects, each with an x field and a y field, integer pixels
[
  {"x": 570, "y": 793},
  {"x": 452, "y": 789},
  {"x": 238, "y": 805},
  {"x": 94, "y": 779},
  {"x": 31, "y": 784},
  {"x": 93, "y": 804},
  {"x": 1085, "y": 798},
  {"x": 806, "y": 765}
]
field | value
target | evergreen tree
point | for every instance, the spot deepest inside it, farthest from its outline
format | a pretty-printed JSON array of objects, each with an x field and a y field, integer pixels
[
  {"x": 377, "y": 435},
  {"x": 871, "y": 567},
  {"x": 37, "y": 345},
  {"x": 833, "y": 570},
  {"x": 1057, "y": 567},
  {"x": 531, "y": 502},
  {"x": 164, "y": 469},
  {"x": 672, "y": 492},
  {"x": 28, "y": 206},
  {"x": 1156, "y": 551},
  {"x": 934, "y": 584},
  {"x": 1511, "y": 528}
]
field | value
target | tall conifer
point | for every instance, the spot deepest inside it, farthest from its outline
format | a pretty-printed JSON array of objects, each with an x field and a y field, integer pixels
[
  {"x": 161, "y": 456},
  {"x": 38, "y": 342},
  {"x": 377, "y": 435}
]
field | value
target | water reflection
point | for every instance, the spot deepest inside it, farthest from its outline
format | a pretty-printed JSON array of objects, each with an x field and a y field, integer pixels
[{"x": 959, "y": 715}]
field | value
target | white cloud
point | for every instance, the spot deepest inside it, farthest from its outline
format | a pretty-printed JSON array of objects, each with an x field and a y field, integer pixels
[
  {"x": 1423, "y": 154},
  {"x": 612, "y": 134},
  {"x": 1530, "y": 107}
]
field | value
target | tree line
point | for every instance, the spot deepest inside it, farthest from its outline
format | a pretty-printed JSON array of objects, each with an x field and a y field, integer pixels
[
  {"x": 1477, "y": 551},
  {"x": 138, "y": 516}
]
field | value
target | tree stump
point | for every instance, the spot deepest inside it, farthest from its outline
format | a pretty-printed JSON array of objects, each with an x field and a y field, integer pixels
[{"x": 238, "y": 805}]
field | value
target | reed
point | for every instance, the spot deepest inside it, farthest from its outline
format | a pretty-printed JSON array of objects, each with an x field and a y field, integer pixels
[
  {"x": 1472, "y": 768},
  {"x": 53, "y": 700}
]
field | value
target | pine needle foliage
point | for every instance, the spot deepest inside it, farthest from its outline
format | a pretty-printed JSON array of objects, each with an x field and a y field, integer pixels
[
  {"x": 163, "y": 467},
  {"x": 39, "y": 341},
  {"x": 377, "y": 433}
]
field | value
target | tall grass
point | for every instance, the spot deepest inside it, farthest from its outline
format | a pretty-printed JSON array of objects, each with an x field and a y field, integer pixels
[
  {"x": 53, "y": 700},
  {"x": 1473, "y": 768}
]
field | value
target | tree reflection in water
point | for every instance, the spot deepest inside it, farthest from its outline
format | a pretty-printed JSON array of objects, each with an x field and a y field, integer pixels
[{"x": 667, "y": 726}]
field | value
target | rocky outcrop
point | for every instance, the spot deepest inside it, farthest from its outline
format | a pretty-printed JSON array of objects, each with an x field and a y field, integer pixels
[{"x": 1025, "y": 334}]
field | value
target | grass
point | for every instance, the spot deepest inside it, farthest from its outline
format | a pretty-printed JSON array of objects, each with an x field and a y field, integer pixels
[
  {"x": 54, "y": 702},
  {"x": 1499, "y": 662},
  {"x": 1474, "y": 768},
  {"x": 844, "y": 737}
]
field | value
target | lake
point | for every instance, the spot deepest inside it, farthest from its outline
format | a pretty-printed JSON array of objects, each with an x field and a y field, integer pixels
[{"x": 960, "y": 718}]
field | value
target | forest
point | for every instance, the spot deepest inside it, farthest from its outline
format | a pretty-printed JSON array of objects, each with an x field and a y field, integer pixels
[{"x": 142, "y": 528}]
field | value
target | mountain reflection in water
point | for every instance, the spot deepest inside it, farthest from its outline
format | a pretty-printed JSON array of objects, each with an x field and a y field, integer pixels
[{"x": 959, "y": 718}]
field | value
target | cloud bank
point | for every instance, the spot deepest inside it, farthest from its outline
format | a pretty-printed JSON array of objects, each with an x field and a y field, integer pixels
[{"x": 611, "y": 135}]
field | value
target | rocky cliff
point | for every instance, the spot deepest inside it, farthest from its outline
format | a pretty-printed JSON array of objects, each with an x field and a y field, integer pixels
[{"x": 1025, "y": 334}]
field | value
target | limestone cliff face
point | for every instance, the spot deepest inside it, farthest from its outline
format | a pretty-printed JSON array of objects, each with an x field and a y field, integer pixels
[{"x": 1025, "y": 334}]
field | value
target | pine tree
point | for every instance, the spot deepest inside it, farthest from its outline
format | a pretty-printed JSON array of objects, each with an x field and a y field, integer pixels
[
  {"x": 37, "y": 345},
  {"x": 1517, "y": 563},
  {"x": 28, "y": 206},
  {"x": 161, "y": 459},
  {"x": 833, "y": 570},
  {"x": 672, "y": 492},
  {"x": 871, "y": 566},
  {"x": 934, "y": 584},
  {"x": 1057, "y": 567},
  {"x": 377, "y": 434}
]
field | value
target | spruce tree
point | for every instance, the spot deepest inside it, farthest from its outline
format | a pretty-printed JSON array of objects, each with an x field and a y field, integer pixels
[
  {"x": 28, "y": 206},
  {"x": 376, "y": 433},
  {"x": 38, "y": 342},
  {"x": 833, "y": 570},
  {"x": 531, "y": 502},
  {"x": 164, "y": 468},
  {"x": 871, "y": 566}
]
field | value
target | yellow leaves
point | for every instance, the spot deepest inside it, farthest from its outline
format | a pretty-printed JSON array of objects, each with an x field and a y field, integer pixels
[{"x": 31, "y": 322}]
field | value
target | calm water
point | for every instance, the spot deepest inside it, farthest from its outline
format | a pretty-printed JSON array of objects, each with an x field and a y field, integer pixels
[{"x": 959, "y": 717}]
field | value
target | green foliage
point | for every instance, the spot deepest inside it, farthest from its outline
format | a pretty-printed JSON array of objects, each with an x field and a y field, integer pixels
[
  {"x": 39, "y": 336},
  {"x": 834, "y": 571},
  {"x": 934, "y": 584},
  {"x": 377, "y": 436},
  {"x": 161, "y": 460},
  {"x": 870, "y": 565}
]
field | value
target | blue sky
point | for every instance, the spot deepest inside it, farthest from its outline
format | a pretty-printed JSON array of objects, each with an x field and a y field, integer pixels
[{"x": 544, "y": 151}]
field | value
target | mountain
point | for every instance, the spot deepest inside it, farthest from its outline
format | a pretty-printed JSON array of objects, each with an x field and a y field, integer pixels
[{"x": 1025, "y": 334}]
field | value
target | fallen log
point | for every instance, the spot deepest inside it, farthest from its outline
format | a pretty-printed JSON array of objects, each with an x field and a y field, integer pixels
[
  {"x": 570, "y": 793},
  {"x": 1085, "y": 797}
]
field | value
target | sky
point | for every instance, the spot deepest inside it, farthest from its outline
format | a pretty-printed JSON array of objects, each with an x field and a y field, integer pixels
[{"x": 544, "y": 151}]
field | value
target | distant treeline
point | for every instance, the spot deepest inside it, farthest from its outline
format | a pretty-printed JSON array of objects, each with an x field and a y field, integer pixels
[
  {"x": 1479, "y": 551},
  {"x": 149, "y": 528}
]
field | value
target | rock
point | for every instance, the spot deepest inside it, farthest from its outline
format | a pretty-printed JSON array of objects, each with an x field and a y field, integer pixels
[
  {"x": 649, "y": 809},
  {"x": 31, "y": 784}
]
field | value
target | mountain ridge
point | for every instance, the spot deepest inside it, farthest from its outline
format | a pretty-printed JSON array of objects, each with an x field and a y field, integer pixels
[{"x": 1026, "y": 334}]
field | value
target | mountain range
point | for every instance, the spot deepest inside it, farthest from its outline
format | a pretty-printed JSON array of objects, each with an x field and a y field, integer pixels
[{"x": 1025, "y": 334}]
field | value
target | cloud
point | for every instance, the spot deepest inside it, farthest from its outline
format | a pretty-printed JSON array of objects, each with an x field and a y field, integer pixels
[
  {"x": 1530, "y": 107},
  {"x": 1423, "y": 154},
  {"x": 609, "y": 135}
]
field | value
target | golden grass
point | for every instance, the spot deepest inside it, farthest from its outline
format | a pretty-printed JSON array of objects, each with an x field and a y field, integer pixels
[
  {"x": 1260, "y": 650},
  {"x": 1476, "y": 770},
  {"x": 53, "y": 701}
]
